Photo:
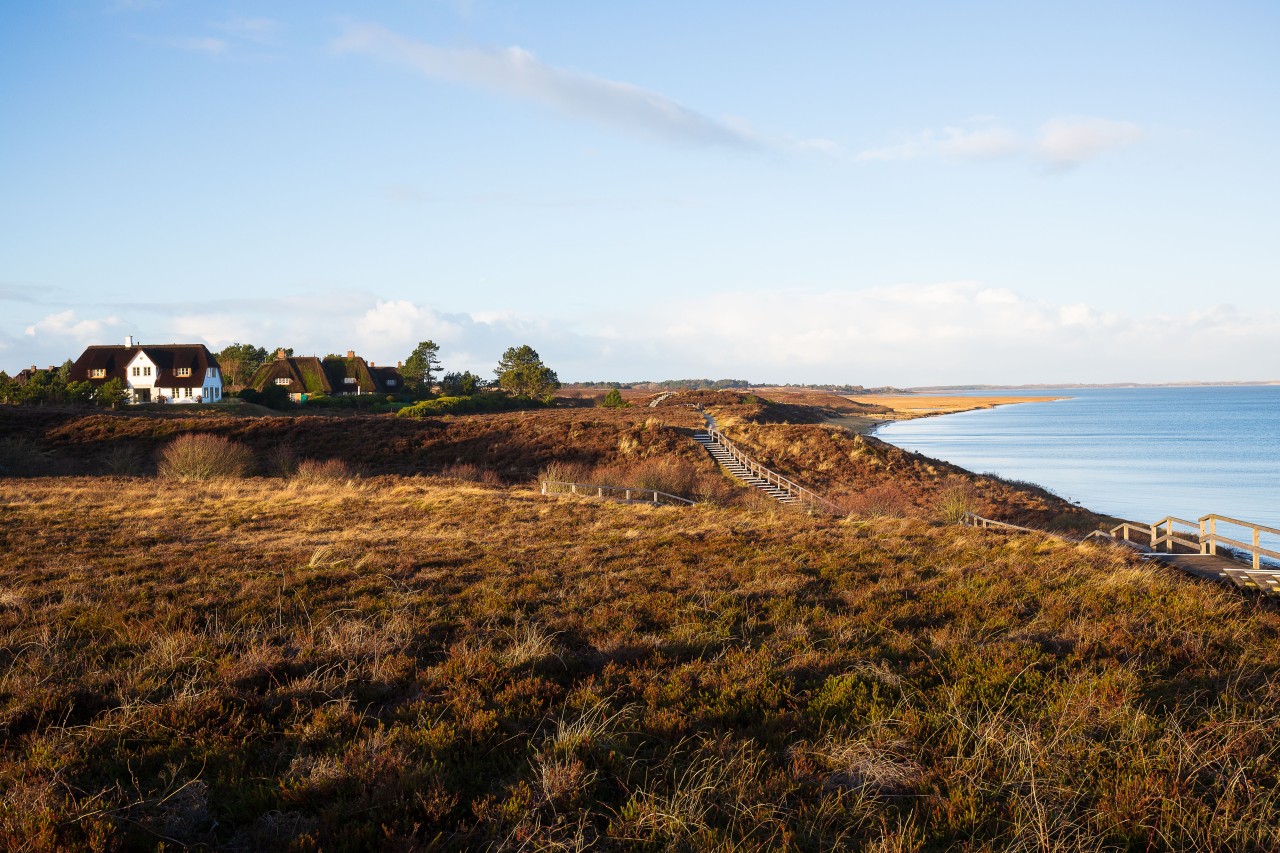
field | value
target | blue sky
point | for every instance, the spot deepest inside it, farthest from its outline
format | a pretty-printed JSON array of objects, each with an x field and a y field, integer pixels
[{"x": 905, "y": 193}]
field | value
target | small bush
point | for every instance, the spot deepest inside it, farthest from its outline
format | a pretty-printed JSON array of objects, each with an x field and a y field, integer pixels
[
  {"x": 955, "y": 502},
  {"x": 20, "y": 458},
  {"x": 566, "y": 472},
  {"x": 281, "y": 461},
  {"x": 311, "y": 471},
  {"x": 675, "y": 477},
  {"x": 201, "y": 456},
  {"x": 121, "y": 461},
  {"x": 613, "y": 400},
  {"x": 472, "y": 473}
]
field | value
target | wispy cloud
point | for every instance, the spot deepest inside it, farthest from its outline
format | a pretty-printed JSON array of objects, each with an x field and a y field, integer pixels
[
  {"x": 66, "y": 324},
  {"x": 1061, "y": 143},
  {"x": 1065, "y": 143},
  {"x": 517, "y": 73}
]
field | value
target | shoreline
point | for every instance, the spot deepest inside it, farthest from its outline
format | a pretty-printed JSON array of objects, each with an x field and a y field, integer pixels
[{"x": 924, "y": 406}]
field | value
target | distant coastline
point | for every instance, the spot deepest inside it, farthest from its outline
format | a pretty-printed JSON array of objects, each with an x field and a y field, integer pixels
[{"x": 920, "y": 389}]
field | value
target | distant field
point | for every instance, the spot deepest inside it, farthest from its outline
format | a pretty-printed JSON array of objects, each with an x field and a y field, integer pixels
[{"x": 921, "y": 404}]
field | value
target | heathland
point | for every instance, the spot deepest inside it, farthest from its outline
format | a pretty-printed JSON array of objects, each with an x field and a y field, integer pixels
[{"x": 381, "y": 635}]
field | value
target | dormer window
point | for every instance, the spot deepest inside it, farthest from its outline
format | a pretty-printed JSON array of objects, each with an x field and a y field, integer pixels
[
  {"x": 98, "y": 373},
  {"x": 391, "y": 383},
  {"x": 182, "y": 371},
  {"x": 350, "y": 380},
  {"x": 283, "y": 380}
]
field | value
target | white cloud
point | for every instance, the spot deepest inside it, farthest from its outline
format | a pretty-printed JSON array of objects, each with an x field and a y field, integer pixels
[
  {"x": 952, "y": 142},
  {"x": 516, "y": 72},
  {"x": 1061, "y": 143},
  {"x": 905, "y": 334},
  {"x": 65, "y": 324},
  {"x": 942, "y": 333},
  {"x": 1067, "y": 142}
]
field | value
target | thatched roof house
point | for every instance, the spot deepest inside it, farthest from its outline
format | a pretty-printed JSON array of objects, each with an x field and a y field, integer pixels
[{"x": 309, "y": 375}]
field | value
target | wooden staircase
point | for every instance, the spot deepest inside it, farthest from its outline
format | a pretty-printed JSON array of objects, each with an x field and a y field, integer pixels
[
  {"x": 730, "y": 463},
  {"x": 742, "y": 467}
]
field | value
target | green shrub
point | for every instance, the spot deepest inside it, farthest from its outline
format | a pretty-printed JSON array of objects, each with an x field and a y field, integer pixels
[
  {"x": 613, "y": 400},
  {"x": 200, "y": 456},
  {"x": 466, "y": 405}
]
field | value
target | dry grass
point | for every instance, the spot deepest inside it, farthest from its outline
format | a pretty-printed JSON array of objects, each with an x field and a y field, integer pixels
[{"x": 414, "y": 662}]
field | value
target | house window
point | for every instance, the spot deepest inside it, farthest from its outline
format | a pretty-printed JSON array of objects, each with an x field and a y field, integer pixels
[
  {"x": 137, "y": 371},
  {"x": 350, "y": 380},
  {"x": 213, "y": 371},
  {"x": 182, "y": 371},
  {"x": 97, "y": 373},
  {"x": 283, "y": 380},
  {"x": 391, "y": 383},
  {"x": 186, "y": 392},
  {"x": 146, "y": 371}
]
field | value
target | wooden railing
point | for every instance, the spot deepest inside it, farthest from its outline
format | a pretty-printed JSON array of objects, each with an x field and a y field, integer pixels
[
  {"x": 774, "y": 478},
  {"x": 1206, "y": 537},
  {"x": 553, "y": 487},
  {"x": 971, "y": 519},
  {"x": 1210, "y": 540}
]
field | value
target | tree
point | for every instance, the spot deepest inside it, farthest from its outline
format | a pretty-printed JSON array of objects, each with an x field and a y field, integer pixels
[
  {"x": 521, "y": 372},
  {"x": 420, "y": 366},
  {"x": 460, "y": 384},
  {"x": 111, "y": 394},
  {"x": 613, "y": 399},
  {"x": 240, "y": 361}
]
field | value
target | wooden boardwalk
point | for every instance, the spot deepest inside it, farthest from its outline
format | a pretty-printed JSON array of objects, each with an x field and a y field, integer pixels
[{"x": 1200, "y": 556}]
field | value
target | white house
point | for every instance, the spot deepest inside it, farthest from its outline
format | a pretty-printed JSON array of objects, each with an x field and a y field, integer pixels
[{"x": 163, "y": 373}]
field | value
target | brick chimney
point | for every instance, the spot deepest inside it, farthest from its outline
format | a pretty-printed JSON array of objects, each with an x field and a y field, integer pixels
[
  {"x": 351, "y": 353},
  {"x": 399, "y": 364},
  {"x": 280, "y": 353}
]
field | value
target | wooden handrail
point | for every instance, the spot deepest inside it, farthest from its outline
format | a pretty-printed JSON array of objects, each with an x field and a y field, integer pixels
[
  {"x": 1207, "y": 537},
  {"x": 972, "y": 519},
  {"x": 769, "y": 476},
  {"x": 629, "y": 493}
]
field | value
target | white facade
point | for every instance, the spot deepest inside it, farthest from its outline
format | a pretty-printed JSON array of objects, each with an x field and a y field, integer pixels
[{"x": 141, "y": 375}]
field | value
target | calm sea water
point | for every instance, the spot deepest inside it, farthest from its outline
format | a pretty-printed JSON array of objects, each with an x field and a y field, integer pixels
[{"x": 1135, "y": 453}]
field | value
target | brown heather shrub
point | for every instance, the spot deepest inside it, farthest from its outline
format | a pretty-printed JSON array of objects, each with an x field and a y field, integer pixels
[
  {"x": 566, "y": 472},
  {"x": 673, "y": 476},
  {"x": 21, "y": 458},
  {"x": 322, "y": 471},
  {"x": 474, "y": 669},
  {"x": 281, "y": 461},
  {"x": 470, "y": 472},
  {"x": 200, "y": 456},
  {"x": 122, "y": 461},
  {"x": 884, "y": 500}
]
